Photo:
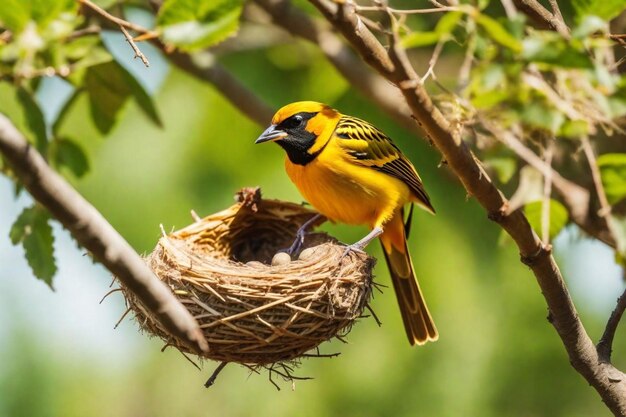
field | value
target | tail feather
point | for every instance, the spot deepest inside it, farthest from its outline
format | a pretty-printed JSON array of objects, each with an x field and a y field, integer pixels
[{"x": 418, "y": 322}]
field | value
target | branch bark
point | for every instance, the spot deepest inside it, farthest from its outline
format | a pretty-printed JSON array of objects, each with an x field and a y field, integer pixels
[
  {"x": 536, "y": 11},
  {"x": 573, "y": 196},
  {"x": 95, "y": 234},
  {"x": 231, "y": 88},
  {"x": 380, "y": 91},
  {"x": 370, "y": 84},
  {"x": 609, "y": 382}
]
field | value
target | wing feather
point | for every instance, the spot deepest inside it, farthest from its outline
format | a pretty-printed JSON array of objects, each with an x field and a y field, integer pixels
[{"x": 370, "y": 147}]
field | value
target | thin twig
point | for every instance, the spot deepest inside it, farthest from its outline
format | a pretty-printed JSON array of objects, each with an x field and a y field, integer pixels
[
  {"x": 408, "y": 11},
  {"x": 509, "y": 8},
  {"x": 468, "y": 60},
  {"x": 605, "y": 345},
  {"x": 190, "y": 360},
  {"x": 123, "y": 25},
  {"x": 320, "y": 355},
  {"x": 231, "y": 88},
  {"x": 605, "y": 207},
  {"x": 195, "y": 216},
  {"x": 394, "y": 65},
  {"x": 575, "y": 197},
  {"x": 131, "y": 42},
  {"x": 537, "y": 11},
  {"x": 433, "y": 60},
  {"x": 556, "y": 11},
  {"x": 214, "y": 375},
  {"x": 89, "y": 30},
  {"x": 369, "y": 308},
  {"x": 95, "y": 234},
  {"x": 128, "y": 310},
  {"x": 547, "y": 191},
  {"x": 109, "y": 293},
  {"x": 118, "y": 21},
  {"x": 370, "y": 84}
]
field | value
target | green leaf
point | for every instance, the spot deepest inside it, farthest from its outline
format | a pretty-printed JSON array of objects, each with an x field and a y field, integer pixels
[
  {"x": 590, "y": 25},
  {"x": 574, "y": 129},
  {"x": 613, "y": 172},
  {"x": 68, "y": 153},
  {"x": 447, "y": 23},
  {"x": 558, "y": 216},
  {"x": 618, "y": 226},
  {"x": 19, "y": 106},
  {"x": 504, "y": 167},
  {"x": 34, "y": 118},
  {"x": 96, "y": 56},
  {"x": 109, "y": 86},
  {"x": 15, "y": 14},
  {"x": 419, "y": 39},
  {"x": 443, "y": 29},
  {"x": 498, "y": 33},
  {"x": 197, "y": 24},
  {"x": 543, "y": 117},
  {"x": 605, "y": 9},
  {"x": 79, "y": 48},
  {"x": 53, "y": 95},
  {"x": 33, "y": 231},
  {"x": 549, "y": 48}
]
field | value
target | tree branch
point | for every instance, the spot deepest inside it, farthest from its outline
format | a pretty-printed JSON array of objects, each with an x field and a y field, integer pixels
[
  {"x": 210, "y": 71},
  {"x": 231, "y": 88},
  {"x": 605, "y": 345},
  {"x": 536, "y": 11},
  {"x": 94, "y": 233},
  {"x": 123, "y": 25},
  {"x": 609, "y": 382},
  {"x": 573, "y": 196},
  {"x": 605, "y": 207},
  {"x": 388, "y": 98},
  {"x": 547, "y": 192},
  {"x": 370, "y": 84}
]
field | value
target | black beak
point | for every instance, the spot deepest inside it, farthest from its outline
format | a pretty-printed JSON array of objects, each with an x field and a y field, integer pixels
[{"x": 271, "y": 134}]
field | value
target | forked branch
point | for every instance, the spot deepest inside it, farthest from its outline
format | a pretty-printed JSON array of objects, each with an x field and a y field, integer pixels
[
  {"x": 394, "y": 65},
  {"x": 95, "y": 234}
]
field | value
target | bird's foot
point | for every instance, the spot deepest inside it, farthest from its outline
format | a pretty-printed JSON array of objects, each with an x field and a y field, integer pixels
[
  {"x": 297, "y": 243},
  {"x": 300, "y": 236},
  {"x": 355, "y": 247},
  {"x": 358, "y": 247}
]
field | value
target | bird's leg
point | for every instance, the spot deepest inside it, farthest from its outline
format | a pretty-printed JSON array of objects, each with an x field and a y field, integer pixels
[
  {"x": 301, "y": 234},
  {"x": 361, "y": 244}
]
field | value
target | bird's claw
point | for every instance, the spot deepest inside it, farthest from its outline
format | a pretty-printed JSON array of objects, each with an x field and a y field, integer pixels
[
  {"x": 297, "y": 243},
  {"x": 355, "y": 247},
  {"x": 300, "y": 236}
]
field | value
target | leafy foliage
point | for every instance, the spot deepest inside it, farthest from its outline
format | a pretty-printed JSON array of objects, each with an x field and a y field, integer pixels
[
  {"x": 109, "y": 86},
  {"x": 32, "y": 229},
  {"x": 605, "y": 9},
  {"x": 613, "y": 172},
  {"x": 536, "y": 83},
  {"x": 442, "y": 32},
  {"x": 192, "y": 24},
  {"x": 558, "y": 216},
  {"x": 68, "y": 153}
]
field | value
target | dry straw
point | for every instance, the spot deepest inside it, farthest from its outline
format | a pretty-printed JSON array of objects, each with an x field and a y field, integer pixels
[{"x": 252, "y": 312}]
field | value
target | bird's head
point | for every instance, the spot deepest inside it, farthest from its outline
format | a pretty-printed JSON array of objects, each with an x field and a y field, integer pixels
[{"x": 302, "y": 129}]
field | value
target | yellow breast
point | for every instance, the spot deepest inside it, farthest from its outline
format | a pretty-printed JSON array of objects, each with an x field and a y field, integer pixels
[{"x": 345, "y": 192}]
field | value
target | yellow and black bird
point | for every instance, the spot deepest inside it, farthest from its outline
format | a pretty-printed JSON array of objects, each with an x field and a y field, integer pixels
[{"x": 352, "y": 173}]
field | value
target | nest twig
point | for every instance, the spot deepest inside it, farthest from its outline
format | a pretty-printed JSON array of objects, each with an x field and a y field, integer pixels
[{"x": 252, "y": 312}]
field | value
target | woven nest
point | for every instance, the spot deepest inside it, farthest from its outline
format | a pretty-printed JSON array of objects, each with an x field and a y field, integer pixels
[{"x": 253, "y": 312}]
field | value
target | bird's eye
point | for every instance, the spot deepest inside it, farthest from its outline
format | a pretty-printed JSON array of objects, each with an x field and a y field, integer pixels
[{"x": 293, "y": 122}]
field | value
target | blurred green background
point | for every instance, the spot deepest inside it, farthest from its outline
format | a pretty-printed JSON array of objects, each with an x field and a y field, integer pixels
[{"x": 497, "y": 354}]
